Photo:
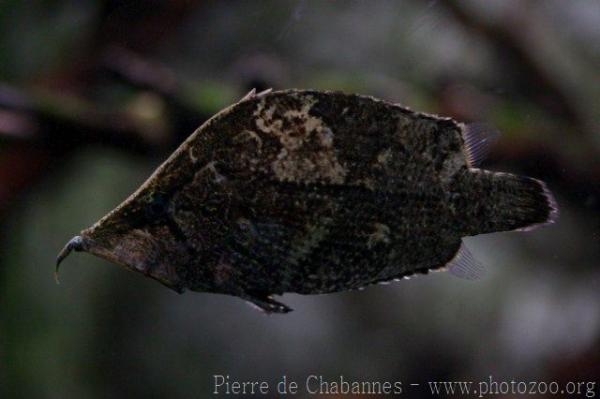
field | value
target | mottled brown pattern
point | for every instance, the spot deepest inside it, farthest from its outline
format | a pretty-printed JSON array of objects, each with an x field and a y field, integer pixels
[{"x": 310, "y": 192}]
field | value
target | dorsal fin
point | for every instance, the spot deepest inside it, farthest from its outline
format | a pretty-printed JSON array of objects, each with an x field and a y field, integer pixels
[
  {"x": 478, "y": 138},
  {"x": 253, "y": 94},
  {"x": 465, "y": 266}
]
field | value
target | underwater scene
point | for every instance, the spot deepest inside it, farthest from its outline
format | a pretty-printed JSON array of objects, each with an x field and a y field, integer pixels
[{"x": 299, "y": 198}]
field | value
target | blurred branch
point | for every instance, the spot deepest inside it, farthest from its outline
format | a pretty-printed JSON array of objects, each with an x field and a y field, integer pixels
[
  {"x": 38, "y": 129},
  {"x": 38, "y": 132},
  {"x": 61, "y": 121},
  {"x": 139, "y": 72},
  {"x": 530, "y": 74},
  {"x": 135, "y": 71}
]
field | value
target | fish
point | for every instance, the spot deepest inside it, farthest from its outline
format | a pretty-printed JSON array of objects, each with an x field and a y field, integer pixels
[{"x": 314, "y": 192}]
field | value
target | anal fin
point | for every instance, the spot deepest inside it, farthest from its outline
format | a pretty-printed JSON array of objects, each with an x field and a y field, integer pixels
[{"x": 465, "y": 266}]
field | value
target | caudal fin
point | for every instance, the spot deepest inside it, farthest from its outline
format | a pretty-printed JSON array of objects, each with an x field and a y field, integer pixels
[
  {"x": 538, "y": 204},
  {"x": 505, "y": 202}
]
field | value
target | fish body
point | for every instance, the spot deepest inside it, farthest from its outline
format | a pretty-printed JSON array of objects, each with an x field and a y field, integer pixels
[{"x": 313, "y": 192}]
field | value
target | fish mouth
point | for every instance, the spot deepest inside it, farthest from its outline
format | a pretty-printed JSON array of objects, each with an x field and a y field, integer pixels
[
  {"x": 76, "y": 244},
  {"x": 127, "y": 251}
]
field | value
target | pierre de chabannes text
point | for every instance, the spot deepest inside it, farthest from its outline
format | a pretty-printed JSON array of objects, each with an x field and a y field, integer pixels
[{"x": 315, "y": 384}]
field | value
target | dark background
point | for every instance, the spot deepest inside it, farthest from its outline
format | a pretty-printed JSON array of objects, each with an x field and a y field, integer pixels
[{"x": 95, "y": 94}]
